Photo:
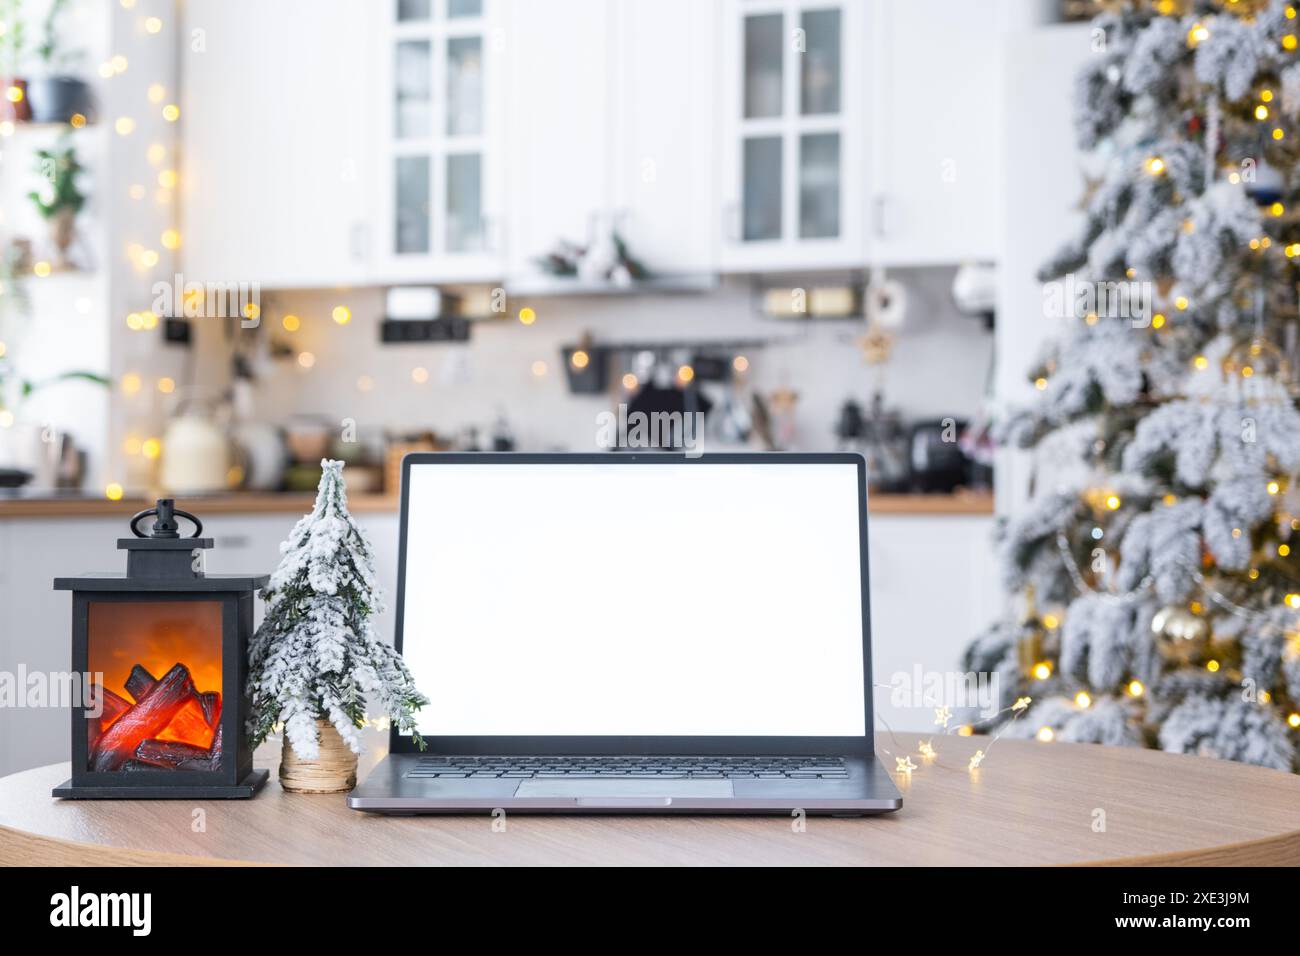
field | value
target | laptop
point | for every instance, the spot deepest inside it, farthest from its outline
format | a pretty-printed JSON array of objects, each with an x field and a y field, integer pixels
[{"x": 634, "y": 633}]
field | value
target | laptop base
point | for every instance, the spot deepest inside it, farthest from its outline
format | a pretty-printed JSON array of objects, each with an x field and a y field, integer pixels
[{"x": 390, "y": 788}]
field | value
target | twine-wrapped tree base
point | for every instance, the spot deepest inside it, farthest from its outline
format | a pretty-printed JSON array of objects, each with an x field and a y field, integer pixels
[{"x": 335, "y": 770}]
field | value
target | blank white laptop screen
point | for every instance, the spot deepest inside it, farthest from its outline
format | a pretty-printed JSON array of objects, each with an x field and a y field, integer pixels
[{"x": 691, "y": 599}]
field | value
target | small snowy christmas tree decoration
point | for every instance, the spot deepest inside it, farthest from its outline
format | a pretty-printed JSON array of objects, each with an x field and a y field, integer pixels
[{"x": 315, "y": 657}]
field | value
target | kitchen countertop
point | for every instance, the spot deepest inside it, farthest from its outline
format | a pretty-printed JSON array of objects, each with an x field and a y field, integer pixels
[{"x": 79, "y": 505}]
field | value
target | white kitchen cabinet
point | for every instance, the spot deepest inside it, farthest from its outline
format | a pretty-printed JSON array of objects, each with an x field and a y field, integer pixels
[
  {"x": 794, "y": 117},
  {"x": 611, "y": 127},
  {"x": 36, "y": 628},
  {"x": 559, "y": 119},
  {"x": 937, "y": 132},
  {"x": 664, "y": 133},
  {"x": 439, "y": 67},
  {"x": 459, "y": 140},
  {"x": 933, "y": 589},
  {"x": 276, "y": 141},
  {"x": 858, "y": 133}
]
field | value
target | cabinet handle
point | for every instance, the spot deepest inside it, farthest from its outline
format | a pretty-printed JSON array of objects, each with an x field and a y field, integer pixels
[
  {"x": 359, "y": 241},
  {"x": 731, "y": 221},
  {"x": 879, "y": 207},
  {"x": 494, "y": 233}
]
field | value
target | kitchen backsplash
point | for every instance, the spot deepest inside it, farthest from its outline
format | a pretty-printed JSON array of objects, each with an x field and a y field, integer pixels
[{"x": 939, "y": 365}]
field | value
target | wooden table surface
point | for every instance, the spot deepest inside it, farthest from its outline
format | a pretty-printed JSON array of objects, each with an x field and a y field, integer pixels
[{"x": 1030, "y": 803}]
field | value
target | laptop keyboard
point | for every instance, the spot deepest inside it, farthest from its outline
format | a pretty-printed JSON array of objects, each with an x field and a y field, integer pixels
[{"x": 764, "y": 768}]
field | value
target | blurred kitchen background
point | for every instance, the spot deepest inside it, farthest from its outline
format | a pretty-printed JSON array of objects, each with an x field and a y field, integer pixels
[{"x": 478, "y": 224}]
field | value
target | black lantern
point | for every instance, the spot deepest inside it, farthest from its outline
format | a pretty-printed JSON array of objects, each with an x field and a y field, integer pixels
[{"x": 165, "y": 649}]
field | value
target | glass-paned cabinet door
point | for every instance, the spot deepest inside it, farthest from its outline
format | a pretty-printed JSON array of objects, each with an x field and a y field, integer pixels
[
  {"x": 414, "y": 214},
  {"x": 795, "y": 120},
  {"x": 819, "y": 62},
  {"x": 764, "y": 64},
  {"x": 761, "y": 182},
  {"x": 438, "y": 134},
  {"x": 413, "y": 89},
  {"x": 819, "y": 185},
  {"x": 412, "y": 10}
]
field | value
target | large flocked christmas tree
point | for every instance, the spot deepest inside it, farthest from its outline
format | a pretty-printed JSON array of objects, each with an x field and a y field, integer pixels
[{"x": 1158, "y": 590}]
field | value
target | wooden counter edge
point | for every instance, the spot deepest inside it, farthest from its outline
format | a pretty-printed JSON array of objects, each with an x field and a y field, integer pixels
[
  {"x": 290, "y": 503},
  {"x": 1280, "y": 850},
  {"x": 19, "y": 848}
]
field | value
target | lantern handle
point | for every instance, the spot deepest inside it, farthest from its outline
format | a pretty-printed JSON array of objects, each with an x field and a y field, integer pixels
[{"x": 164, "y": 525}]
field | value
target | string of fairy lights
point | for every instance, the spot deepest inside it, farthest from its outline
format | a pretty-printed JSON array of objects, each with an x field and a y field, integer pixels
[{"x": 929, "y": 753}]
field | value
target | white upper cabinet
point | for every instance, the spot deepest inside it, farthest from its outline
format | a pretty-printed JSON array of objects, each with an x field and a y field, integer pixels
[
  {"x": 440, "y": 162},
  {"x": 664, "y": 158},
  {"x": 276, "y": 141},
  {"x": 391, "y": 141},
  {"x": 794, "y": 115},
  {"x": 611, "y": 127},
  {"x": 559, "y": 126},
  {"x": 938, "y": 132}
]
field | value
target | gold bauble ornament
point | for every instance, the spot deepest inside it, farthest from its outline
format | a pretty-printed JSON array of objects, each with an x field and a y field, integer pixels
[{"x": 1182, "y": 635}]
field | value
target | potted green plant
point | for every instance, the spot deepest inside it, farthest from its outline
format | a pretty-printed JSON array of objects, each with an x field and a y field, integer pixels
[
  {"x": 59, "y": 199},
  {"x": 55, "y": 95},
  {"x": 14, "y": 104}
]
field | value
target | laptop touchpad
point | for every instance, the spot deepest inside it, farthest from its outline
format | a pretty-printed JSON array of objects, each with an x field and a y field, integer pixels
[{"x": 587, "y": 787}]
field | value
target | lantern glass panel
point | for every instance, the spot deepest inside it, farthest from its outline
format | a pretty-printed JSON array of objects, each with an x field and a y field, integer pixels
[{"x": 161, "y": 667}]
